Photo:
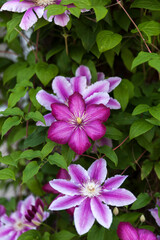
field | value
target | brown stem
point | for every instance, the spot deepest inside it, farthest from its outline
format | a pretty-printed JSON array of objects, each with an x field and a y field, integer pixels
[{"x": 121, "y": 143}]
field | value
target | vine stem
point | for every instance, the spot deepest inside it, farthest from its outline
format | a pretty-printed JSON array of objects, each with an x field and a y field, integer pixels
[
  {"x": 121, "y": 143},
  {"x": 120, "y": 4}
]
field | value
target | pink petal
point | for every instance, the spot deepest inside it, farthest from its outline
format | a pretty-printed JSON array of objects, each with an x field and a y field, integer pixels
[
  {"x": 63, "y": 174},
  {"x": 97, "y": 112},
  {"x": 95, "y": 129},
  {"x": 83, "y": 217},
  {"x": 47, "y": 188},
  {"x": 30, "y": 18},
  {"x": 26, "y": 204},
  {"x": 65, "y": 187},
  {"x": 113, "y": 104},
  {"x": 84, "y": 71},
  {"x": 101, "y": 212},
  {"x": 114, "y": 182},
  {"x": 79, "y": 141},
  {"x": 145, "y": 234},
  {"x": 100, "y": 76},
  {"x": 4, "y": 231},
  {"x": 98, "y": 98},
  {"x": 2, "y": 210},
  {"x": 78, "y": 174},
  {"x": 7, "y": 220},
  {"x": 119, "y": 197},
  {"x": 105, "y": 141},
  {"x": 114, "y": 82},
  {"x": 45, "y": 16},
  {"x": 98, "y": 171},
  {"x": 60, "y": 132},
  {"x": 126, "y": 231},
  {"x": 61, "y": 20},
  {"x": 154, "y": 213},
  {"x": 61, "y": 112},
  {"x": 46, "y": 99},
  {"x": 78, "y": 84},
  {"x": 66, "y": 202},
  {"x": 97, "y": 87},
  {"x": 17, "y": 6},
  {"x": 76, "y": 104},
  {"x": 62, "y": 88},
  {"x": 49, "y": 119}
]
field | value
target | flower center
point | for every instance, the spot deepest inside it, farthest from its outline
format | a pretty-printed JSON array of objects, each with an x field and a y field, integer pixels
[
  {"x": 79, "y": 120},
  {"x": 18, "y": 226},
  {"x": 91, "y": 189},
  {"x": 44, "y": 3}
]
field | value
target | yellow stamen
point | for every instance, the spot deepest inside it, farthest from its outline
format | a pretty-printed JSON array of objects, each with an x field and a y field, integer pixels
[{"x": 79, "y": 120}]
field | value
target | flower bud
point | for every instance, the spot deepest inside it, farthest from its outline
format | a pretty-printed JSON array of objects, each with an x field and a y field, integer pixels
[
  {"x": 142, "y": 218},
  {"x": 115, "y": 211}
]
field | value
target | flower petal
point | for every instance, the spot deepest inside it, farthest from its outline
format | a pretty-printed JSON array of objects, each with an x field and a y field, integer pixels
[
  {"x": 5, "y": 230},
  {"x": 49, "y": 119},
  {"x": 61, "y": 112},
  {"x": 154, "y": 213},
  {"x": 60, "y": 132},
  {"x": 114, "y": 182},
  {"x": 46, "y": 99},
  {"x": 26, "y": 204},
  {"x": 2, "y": 210},
  {"x": 79, "y": 141},
  {"x": 119, "y": 197},
  {"x": 17, "y": 6},
  {"x": 84, "y": 71},
  {"x": 78, "y": 174},
  {"x": 97, "y": 87},
  {"x": 62, "y": 19},
  {"x": 145, "y": 234},
  {"x": 126, "y": 231},
  {"x": 101, "y": 212},
  {"x": 65, "y": 187},
  {"x": 98, "y": 170},
  {"x": 97, "y": 112},
  {"x": 62, "y": 88},
  {"x": 78, "y": 84},
  {"x": 114, "y": 82},
  {"x": 113, "y": 104},
  {"x": 100, "y": 76},
  {"x": 95, "y": 129},
  {"x": 76, "y": 104},
  {"x": 83, "y": 217},
  {"x": 98, "y": 98},
  {"x": 30, "y": 18},
  {"x": 66, "y": 202}
]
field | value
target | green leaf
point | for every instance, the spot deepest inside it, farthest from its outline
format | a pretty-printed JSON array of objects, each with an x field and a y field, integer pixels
[
  {"x": 143, "y": 200},
  {"x": 7, "y": 173},
  {"x": 32, "y": 94},
  {"x": 30, "y": 170},
  {"x": 146, "y": 169},
  {"x": 113, "y": 133},
  {"x": 9, "y": 123},
  {"x": 12, "y": 71},
  {"x": 36, "y": 116},
  {"x": 148, "y": 4},
  {"x": 63, "y": 235},
  {"x": 25, "y": 74},
  {"x": 58, "y": 160},
  {"x": 109, "y": 153},
  {"x": 36, "y": 138},
  {"x": 139, "y": 127},
  {"x": 127, "y": 58},
  {"x": 75, "y": 11},
  {"x": 55, "y": 49},
  {"x": 30, "y": 154},
  {"x": 143, "y": 57},
  {"x": 141, "y": 108},
  {"x": 30, "y": 235},
  {"x": 150, "y": 28},
  {"x": 107, "y": 40},
  {"x": 153, "y": 121},
  {"x": 96, "y": 233},
  {"x": 11, "y": 159},
  {"x": 46, "y": 72},
  {"x": 68, "y": 154},
  {"x": 12, "y": 112},
  {"x": 100, "y": 12},
  {"x": 155, "y": 112},
  {"x": 48, "y": 148},
  {"x": 157, "y": 169},
  {"x": 40, "y": 23},
  {"x": 55, "y": 9},
  {"x": 16, "y": 96},
  {"x": 155, "y": 63}
]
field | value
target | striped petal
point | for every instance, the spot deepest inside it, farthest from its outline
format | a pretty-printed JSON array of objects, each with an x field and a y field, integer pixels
[
  {"x": 114, "y": 182},
  {"x": 78, "y": 174},
  {"x": 17, "y": 6},
  {"x": 98, "y": 98},
  {"x": 65, "y": 187},
  {"x": 61, "y": 19},
  {"x": 84, "y": 71},
  {"x": 98, "y": 171},
  {"x": 97, "y": 87},
  {"x": 46, "y": 99},
  {"x": 126, "y": 231},
  {"x": 78, "y": 84}
]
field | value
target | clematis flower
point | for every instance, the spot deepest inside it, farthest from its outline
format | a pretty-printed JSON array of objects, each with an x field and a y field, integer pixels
[
  {"x": 96, "y": 93},
  {"x": 154, "y": 213},
  {"x": 35, "y": 9},
  {"x": 90, "y": 198},
  {"x": 76, "y": 122},
  {"x": 2, "y": 212},
  {"x": 29, "y": 215},
  {"x": 126, "y": 231}
]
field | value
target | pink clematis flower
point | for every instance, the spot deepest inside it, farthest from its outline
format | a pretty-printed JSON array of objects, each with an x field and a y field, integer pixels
[
  {"x": 76, "y": 122},
  {"x": 154, "y": 213},
  {"x": 34, "y": 9},
  {"x": 126, "y": 231},
  {"x": 96, "y": 93},
  {"x": 90, "y": 198},
  {"x": 29, "y": 215},
  {"x": 2, "y": 212}
]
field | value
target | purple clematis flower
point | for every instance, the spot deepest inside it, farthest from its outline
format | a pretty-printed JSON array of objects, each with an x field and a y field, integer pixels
[
  {"x": 35, "y": 9},
  {"x": 29, "y": 215},
  {"x": 90, "y": 198},
  {"x": 76, "y": 122},
  {"x": 126, "y": 231},
  {"x": 96, "y": 93},
  {"x": 2, "y": 212},
  {"x": 154, "y": 213}
]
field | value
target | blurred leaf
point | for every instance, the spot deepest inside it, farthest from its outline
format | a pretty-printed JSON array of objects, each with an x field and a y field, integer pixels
[
  {"x": 100, "y": 12},
  {"x": 55, "y": 9},
  {"x": 7, "y": 173},
  {"x": 155, "y": 112},
  {"x": 151, "y": 5},
  {"x": 146, "y": 169},
  {"x": 143, "y": 57},
  {"x": 63, "y": 235},
  {"x": 113, "y": 133},
  {"x": 143, "y": 200},
  {"x": 109, "y": 153},
  {"x": 16, "y": 95},
  {"x": 58, "y": 160},
  {"x": 12, "y": 71},
  {"x": 141, "y": 108},
  {"x": 157, "y": 169},
  {"x": 30, "y": 170},
  {"x": 9, "y": 123},
  {"x": 12, "y": 112},
  {"x": 155, "y": 63},
  {"x": 47, "y": 149},
  {"x": 30, "y": 154},
  {"x": 46, "y": 72},
  {"x": 139, "y": 127},
  {"x": 30, "y": 235},
  {"x": 36, "y": 138},
  {"x": 96, "y": 233},
  {"x": 36, "y": 116}
]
